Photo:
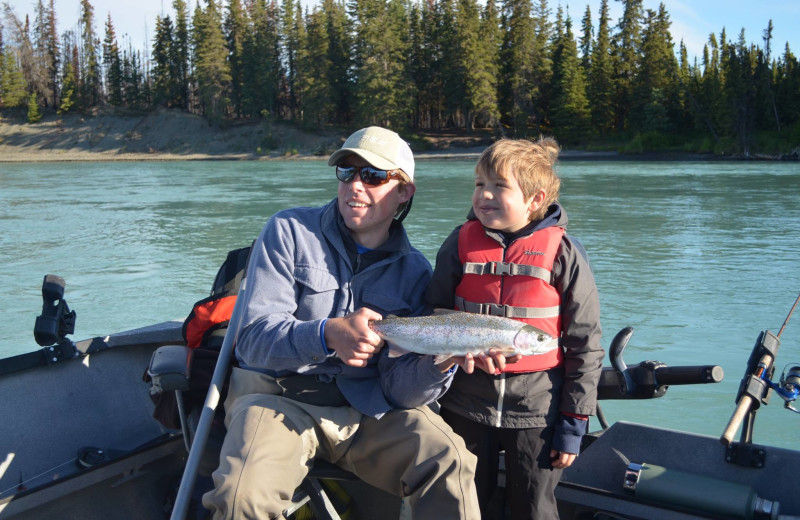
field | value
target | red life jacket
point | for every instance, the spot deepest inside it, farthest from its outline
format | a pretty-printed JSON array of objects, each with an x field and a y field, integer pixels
[
  {"x": 206, "y": 324},
  {"x": 512, "y": 282}
]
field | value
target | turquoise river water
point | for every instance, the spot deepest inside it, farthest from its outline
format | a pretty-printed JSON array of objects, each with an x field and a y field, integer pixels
[{"x": 698, "y": 257}]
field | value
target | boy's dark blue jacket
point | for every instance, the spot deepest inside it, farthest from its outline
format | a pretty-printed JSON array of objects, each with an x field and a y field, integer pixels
[{"x": 538, "y": 399}]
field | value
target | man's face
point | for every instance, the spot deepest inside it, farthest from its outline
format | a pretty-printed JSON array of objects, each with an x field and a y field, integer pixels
[{"x": 368, "y": 210}]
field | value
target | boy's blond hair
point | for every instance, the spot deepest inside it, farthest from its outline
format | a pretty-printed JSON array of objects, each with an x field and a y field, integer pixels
[{"x": 531, "y": 163}]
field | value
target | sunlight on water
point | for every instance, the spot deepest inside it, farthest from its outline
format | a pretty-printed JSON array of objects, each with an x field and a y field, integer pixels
[{"x": 697, "y": 257}]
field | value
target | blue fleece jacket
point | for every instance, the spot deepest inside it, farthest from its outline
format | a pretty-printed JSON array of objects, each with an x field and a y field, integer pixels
[{"x": 304, "y": 269}]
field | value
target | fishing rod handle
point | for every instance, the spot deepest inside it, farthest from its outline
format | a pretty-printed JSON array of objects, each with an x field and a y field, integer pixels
[
  {"x": 689, "y": 375},
  {"x": 742, "y": 409},
  {"x": 744, "y": 405}
]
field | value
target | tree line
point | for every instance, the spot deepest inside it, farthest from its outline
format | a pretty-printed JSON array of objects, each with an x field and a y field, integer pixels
[{"x": 514, "y": 66}]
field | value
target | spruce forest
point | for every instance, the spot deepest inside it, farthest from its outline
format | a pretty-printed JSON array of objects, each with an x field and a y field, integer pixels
[{"x": 501, "y": 67}]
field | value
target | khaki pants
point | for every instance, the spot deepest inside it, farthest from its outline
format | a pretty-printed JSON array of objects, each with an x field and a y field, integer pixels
[{"x": 271, "y": 439}]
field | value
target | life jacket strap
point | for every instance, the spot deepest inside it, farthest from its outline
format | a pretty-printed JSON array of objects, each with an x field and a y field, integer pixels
[
  {"x": 507, "y": 269},
  {"x": 508, "y": 311}
]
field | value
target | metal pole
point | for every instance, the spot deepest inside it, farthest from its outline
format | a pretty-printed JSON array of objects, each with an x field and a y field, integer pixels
[{"x": 210, "y": 406}]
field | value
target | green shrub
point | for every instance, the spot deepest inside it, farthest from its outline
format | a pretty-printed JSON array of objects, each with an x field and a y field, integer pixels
[{"x": 34, "y": 115}]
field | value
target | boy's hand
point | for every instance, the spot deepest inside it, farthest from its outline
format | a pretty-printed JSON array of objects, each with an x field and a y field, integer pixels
[
  {"x": 492, "y": 363},
  {"x": 351, "y": 337},
  {"x": 561, "y": 460}
]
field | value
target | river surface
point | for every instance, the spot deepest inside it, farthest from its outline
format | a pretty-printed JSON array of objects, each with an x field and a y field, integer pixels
[{"x": 698, "y": 257}]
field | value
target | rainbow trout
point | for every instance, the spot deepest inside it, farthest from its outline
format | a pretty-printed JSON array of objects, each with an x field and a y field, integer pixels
[{"x": 454, "y": 333}]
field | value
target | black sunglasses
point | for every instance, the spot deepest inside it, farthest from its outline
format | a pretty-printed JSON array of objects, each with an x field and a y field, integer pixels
[{"x": 368, "y": 174}]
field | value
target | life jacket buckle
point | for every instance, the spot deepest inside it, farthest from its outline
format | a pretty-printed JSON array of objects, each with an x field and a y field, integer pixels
[
  {"x": 501, "y": 268},
  {"x": 494, "y": 309}
]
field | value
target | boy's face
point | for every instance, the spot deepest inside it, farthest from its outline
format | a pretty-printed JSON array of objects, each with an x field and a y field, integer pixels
[{"x": 499, "y": 203}]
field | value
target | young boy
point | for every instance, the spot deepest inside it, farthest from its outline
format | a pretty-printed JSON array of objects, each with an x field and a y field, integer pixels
[{"x": 513, "y": 258}]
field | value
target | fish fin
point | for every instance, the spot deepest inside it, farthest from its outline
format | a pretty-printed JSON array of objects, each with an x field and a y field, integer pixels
[
  {"x": 441, "y": 358},
  {"x": 395, "y": 351},
  {"x": 504, "y": 350}
]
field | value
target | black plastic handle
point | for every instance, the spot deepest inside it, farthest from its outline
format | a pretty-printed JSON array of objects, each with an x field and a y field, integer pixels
[
  {"x": 689, "y": 375},
  {"x": 651, "y": 379}
]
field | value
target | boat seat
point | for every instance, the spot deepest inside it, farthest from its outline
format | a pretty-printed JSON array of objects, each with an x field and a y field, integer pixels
[{"x": 170, "y": 371}]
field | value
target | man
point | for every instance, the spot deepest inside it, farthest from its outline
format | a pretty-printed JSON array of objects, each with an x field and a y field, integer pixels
[{"x": 313, "y": 380}]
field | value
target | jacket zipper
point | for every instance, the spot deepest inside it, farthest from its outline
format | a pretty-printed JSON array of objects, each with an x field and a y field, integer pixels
[
  {"x": 357, "y": 267},
  {"x": 351, "y": 294}
]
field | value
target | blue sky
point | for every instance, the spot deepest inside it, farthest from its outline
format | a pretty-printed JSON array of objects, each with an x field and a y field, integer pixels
[{"x": 692, "y": 20}]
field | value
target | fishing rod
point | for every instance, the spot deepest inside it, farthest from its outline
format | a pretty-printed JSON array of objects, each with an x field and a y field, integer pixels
[
  {"x": 789, "y": 386},
  {"x": 757, "y": 382},
  {"x": 788, "y": 316}
]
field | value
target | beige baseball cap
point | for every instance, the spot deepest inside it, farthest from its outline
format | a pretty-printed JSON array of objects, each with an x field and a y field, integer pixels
[{"x": 380, "y": 147}]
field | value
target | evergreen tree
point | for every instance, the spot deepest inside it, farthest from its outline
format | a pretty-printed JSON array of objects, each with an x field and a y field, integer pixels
[
  {"x": 601, "y": 76},
  {"x": 134, "y": 90},
  {"x": 570, "y": 113},
  {"x": 739, "y": 93},
  {"x": 70, "y": 74},
  {"x": 211, "y": 66},
  {"x": 290, "y": 36},
  {"x": 765, "y": 84},
  {"x": 430, "y": 64},
  {"x": 324, "y": 66},
  {"x": 261, "y": 60},
  {"x": 339, "y": 61},
  {"x": 687, "y": 77},
  {"x": 317, "y": 104},
  {"x": 68, "y": 89},
  {"x": 787, "y": 86},
  {"x": 586, "y": 40},
  {"x": 38, "y": 80},
  {"x": 451, "y": 58},
  {"x": 52, "y": 53},
  {"x": 90, "y": 86},
  {"x": 112, "y": 64},
  {"x": 45, "y": 54},
  {"x": 722, "y": 51},
  {"x": 179, "y": 55},
  {"x": 474, "y": 72},
  {"x": 13, "y": 89},
  {"x": 485, "y": 98},
  {"x": 22, "y": 54},
  {"x": 415, "y": 60},
  {"x": 300, "y": 57},
  {"x": 541, "y": 65},
  {"x": 710, "y": 95},
  {"x": 34, "y": 115},
  {"x": 627, "y": 58},
  {"x": 517, "y": 58},
  {"x": 2, "y": 61},
  {"x": 655, "y": 102},
  {"x": 163, "y": 78},
  {"x": 424, "y": 65},
  {"x": 235, "y": 28},
  {"x": 383, "y": 90}
]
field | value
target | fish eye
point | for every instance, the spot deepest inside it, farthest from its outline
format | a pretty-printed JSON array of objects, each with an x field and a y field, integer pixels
[{"x": 540, "y": 337}]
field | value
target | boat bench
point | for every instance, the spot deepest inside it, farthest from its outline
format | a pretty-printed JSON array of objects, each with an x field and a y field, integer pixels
[{"x": 170, "y": 371}]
